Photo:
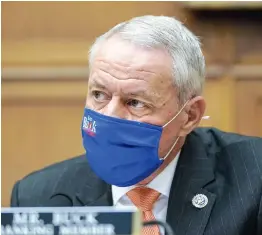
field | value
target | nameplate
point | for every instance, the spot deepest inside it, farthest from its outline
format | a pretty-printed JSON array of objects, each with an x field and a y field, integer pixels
[{"x": 70, "y": 221}]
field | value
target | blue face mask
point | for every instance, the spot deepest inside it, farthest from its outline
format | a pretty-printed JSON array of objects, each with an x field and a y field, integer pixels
[{"x": 119, "y": 151}]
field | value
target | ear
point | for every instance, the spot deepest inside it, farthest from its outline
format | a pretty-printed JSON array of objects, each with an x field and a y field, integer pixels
[{"x": 194, "y": 111}]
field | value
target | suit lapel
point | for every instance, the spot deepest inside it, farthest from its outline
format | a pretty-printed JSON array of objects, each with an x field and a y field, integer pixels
[
  {"x": 95, "y": 192},
  {"x": 83, "y": 187},
  {"x": 193, "y": 174}
]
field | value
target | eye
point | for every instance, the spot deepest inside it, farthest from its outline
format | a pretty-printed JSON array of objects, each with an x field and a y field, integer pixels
[
  {"x": 136, "y": 104},
  {"x": 99, "y": 96}
]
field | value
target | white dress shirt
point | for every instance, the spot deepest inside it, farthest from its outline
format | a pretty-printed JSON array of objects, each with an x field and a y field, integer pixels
[{"x": 162, "y": 184}]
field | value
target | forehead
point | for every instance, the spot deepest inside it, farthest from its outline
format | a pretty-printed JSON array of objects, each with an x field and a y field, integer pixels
[
  {"x": 126, "y": 58},
  {"x": 120, "y": 66}
]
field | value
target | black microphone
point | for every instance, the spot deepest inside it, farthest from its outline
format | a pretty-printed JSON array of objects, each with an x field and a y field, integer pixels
[
  {"x": 166, "y": 226},
  {"x": 59, "y": 200}
]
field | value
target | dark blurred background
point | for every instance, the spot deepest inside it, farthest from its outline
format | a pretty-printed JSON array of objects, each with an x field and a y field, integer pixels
[{"x": 44, "y": 72}]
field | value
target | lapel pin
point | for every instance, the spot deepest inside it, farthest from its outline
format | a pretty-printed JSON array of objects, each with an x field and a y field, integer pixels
[{"x": 199, "y": 200}]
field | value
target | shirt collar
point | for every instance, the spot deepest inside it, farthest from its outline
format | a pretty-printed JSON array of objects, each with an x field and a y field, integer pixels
[{"x": 157, "y": 183}]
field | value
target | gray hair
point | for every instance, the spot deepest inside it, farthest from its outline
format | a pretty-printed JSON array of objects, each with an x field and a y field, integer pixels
[{"x": 169, "y": 34}]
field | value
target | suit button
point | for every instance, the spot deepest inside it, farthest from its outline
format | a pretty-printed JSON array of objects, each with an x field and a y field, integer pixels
[{"x": 199, "y": 200}]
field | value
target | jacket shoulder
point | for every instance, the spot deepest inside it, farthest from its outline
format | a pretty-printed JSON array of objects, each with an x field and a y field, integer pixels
[
  {"x": 222, "y": 139},
  {"x": 33, "y": 188},
  {"x": 239, "y": 148}
]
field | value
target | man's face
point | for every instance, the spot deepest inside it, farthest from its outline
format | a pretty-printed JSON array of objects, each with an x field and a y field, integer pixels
[{"x": 132, "y": 83}]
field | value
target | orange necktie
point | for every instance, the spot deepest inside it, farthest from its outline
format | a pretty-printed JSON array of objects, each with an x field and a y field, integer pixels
[{"x": 144, "y": 199}]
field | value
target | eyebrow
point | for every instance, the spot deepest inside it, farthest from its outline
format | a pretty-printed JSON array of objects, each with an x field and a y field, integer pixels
[
  {"x": 98, "y": 85},
  {"x": 143, "y": 94}
]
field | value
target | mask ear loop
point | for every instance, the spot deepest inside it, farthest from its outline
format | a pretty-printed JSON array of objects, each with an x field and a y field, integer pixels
[
  {"x": 177, "y": 114},
  {"x": 173, "y": 146}
]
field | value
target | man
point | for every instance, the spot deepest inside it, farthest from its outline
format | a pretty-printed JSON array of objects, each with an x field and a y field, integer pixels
[{"x": 143, "y": 147}]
